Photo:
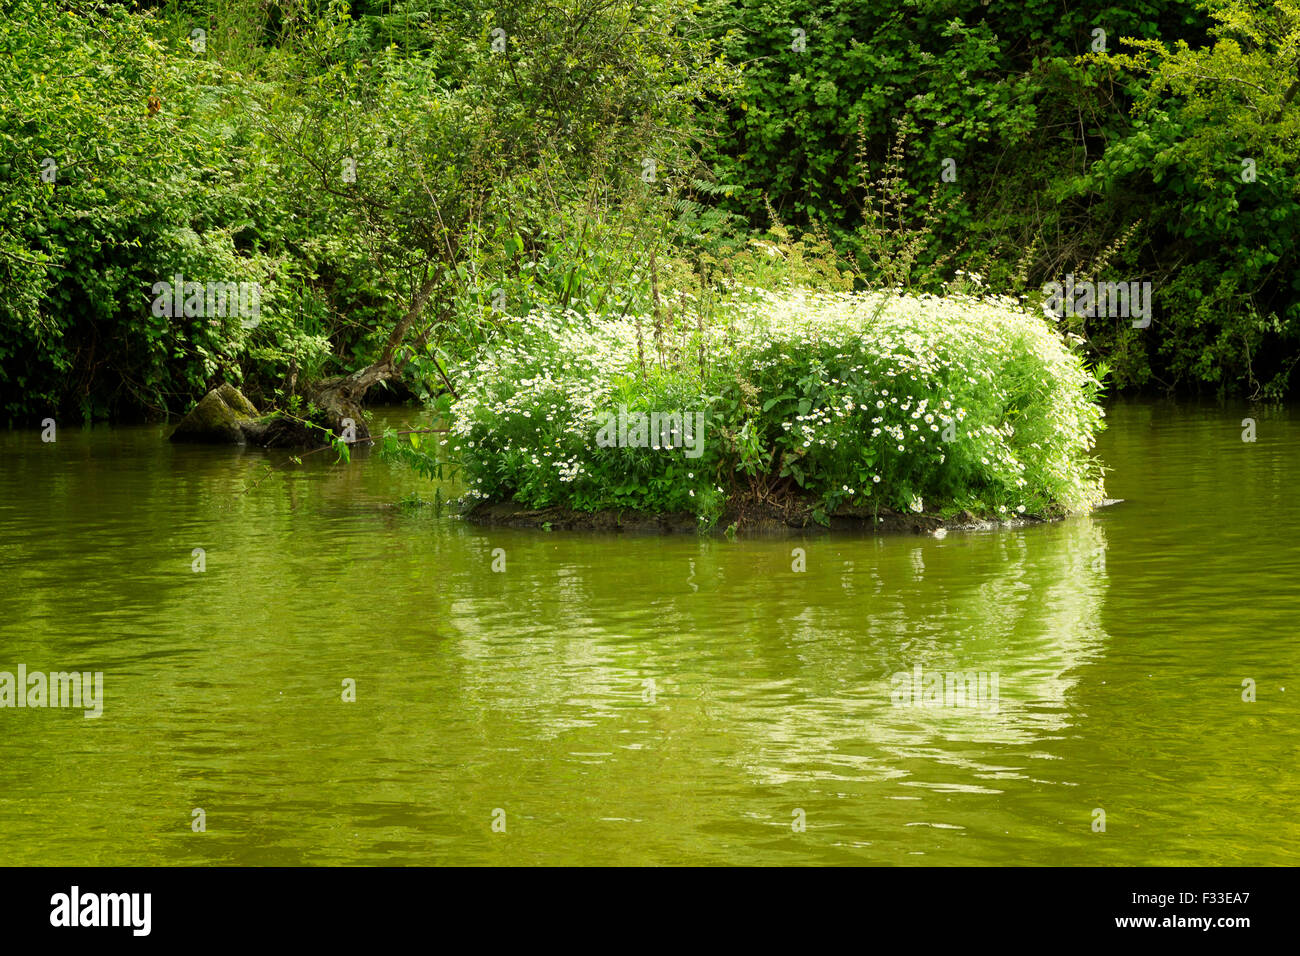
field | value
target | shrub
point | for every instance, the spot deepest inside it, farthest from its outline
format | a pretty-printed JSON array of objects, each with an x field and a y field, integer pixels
[{"x": 820, "y": 400}]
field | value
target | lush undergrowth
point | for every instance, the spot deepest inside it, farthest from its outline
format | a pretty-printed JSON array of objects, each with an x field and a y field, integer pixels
[
  {"x": 818, "y": 401},
  {"x": 402, "y": 179}
]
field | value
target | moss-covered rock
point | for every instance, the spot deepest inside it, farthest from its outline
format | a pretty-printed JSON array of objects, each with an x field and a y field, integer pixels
[{"x": 219, "y": 418}]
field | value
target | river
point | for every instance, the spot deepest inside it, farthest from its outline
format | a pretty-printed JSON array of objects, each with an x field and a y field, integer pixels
[{"x": 646, "y": 700}]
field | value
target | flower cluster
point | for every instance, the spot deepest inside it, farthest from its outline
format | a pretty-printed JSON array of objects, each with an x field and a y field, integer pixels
[{"x": 842, "y": 399}]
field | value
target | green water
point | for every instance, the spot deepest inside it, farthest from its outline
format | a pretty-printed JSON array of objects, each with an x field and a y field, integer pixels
[{"x": 1120, "y": 642}]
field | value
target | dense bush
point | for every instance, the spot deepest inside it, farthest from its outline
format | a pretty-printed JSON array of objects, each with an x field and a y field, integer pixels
[
  {"x": 565, "y": 163},
  {"x": 825, "y": 399},
  {"x": 149, "y": 170},
  {"x": 994, "y": 86},
  {"x": 1210, "y": 166},
  {"x": 1059, "y": 154},
  {"x": 472, "y": 170}
]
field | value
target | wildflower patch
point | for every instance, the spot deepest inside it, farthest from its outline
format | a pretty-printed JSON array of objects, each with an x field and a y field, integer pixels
[{"x": 828, "y": 402}]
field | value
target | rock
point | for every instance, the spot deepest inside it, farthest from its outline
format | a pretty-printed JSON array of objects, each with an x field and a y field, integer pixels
[
  {"x": 218, "y": 419},
  {"x": 225, "y": 417}
]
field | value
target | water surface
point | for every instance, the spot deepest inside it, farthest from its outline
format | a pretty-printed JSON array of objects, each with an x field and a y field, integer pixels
[{"x": 645, "y": 699}]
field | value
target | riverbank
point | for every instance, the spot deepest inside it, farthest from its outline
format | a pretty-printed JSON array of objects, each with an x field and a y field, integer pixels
[{"x": 764, "y": 520}]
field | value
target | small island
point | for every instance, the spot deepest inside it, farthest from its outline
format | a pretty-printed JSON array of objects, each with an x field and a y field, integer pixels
[{"x": 778, "y": 409}]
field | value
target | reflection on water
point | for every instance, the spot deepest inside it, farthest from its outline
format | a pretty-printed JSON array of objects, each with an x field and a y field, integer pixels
[{"x": 644, "y": 699}]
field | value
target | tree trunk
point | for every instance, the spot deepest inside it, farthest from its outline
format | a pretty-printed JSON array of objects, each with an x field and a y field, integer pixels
[{"x": 339, "y": 398}]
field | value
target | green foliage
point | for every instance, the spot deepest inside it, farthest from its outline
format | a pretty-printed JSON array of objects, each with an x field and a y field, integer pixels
[
  {"x": 552, "y": 155},
  {"x": 149, "y": 178},
  {"x": 1058, "y": 152},
  {"x": 820, "y": 401},
  {"x": 1214, "y": 149},
  {"x": 223, "y": 158},
  {"x": 987, "y": 83}
]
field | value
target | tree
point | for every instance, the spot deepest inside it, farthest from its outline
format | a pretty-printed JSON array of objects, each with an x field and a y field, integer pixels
[
  {"x": 429, "y": 150},
  {"x": 1216, "y": 140}
]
